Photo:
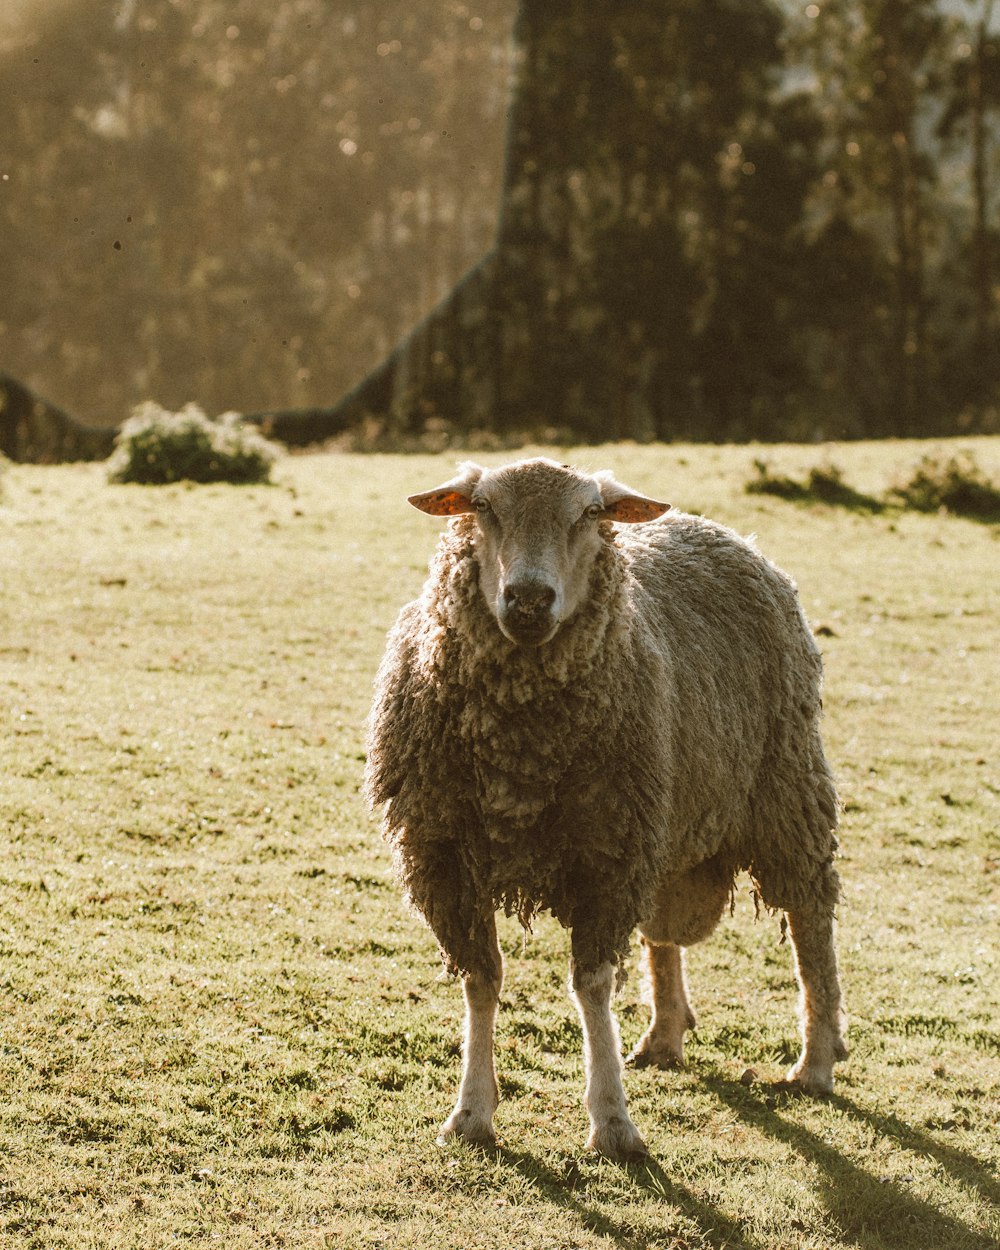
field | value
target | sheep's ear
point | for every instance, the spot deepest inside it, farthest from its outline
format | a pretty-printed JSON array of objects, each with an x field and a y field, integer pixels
[
  {"x": 454, "y": 497},
  {"x": 444, "y": 501},
  {"x": 626, "y": 505}
]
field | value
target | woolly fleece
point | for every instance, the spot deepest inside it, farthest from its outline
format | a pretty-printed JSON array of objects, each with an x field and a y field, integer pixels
[{"x": 673, "y": 721}]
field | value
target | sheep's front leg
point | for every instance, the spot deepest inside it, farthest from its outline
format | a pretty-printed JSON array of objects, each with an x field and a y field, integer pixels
[
  {"x": 478, "y": 1095},
  {"x": 822, "y": 1013},
  {"x": 612, "y": 1132}
]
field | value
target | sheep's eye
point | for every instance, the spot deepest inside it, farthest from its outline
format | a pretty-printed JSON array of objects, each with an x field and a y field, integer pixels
[
  {"x": 594, "y": 511},
  {"x": 481, "y": 505}
]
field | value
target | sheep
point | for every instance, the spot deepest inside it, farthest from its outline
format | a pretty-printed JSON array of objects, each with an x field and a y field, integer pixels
[{"x": 603, "y": 709}]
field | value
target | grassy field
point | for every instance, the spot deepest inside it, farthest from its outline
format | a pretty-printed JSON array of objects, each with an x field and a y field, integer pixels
[{"x": 221, "y": 1026}]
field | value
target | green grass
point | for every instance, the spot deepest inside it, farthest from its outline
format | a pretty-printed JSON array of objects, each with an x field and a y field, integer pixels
[{"x": 221, "y": 1026}]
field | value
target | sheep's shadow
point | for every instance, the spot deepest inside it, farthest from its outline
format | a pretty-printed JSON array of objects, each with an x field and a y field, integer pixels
[
  {"x": 568, "y": 1189},
  {"x": 968, "y": 1169},
  {"x": 871, "y": 1211}
]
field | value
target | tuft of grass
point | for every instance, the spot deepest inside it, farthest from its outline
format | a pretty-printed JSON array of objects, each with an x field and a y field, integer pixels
[
  {"x": 950, "y": 483},
  {"x": 156, "y": 447},
  {"x": 780, "y": 486},
  {"x": 220, "y": 1024},
  {"x": 953, "y": 483},
  {"x": 823, "y": 484}
]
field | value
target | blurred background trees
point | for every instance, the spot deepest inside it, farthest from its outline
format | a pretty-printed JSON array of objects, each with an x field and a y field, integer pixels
[
  {"x": 243, "y": 202},
  {"x": 721, "y": 218}
]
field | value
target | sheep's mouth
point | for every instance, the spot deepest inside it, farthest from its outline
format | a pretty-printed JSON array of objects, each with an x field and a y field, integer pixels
[{"x": 526, "y": 634}]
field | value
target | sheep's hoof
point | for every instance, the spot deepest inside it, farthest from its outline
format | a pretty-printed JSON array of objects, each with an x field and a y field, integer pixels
[
  {"x": 647, "y": 1054},
  {"x": 618, "y": 1139},
  {"x": 469, "y": 1127},
  {"x": 816, "y": 1082}
]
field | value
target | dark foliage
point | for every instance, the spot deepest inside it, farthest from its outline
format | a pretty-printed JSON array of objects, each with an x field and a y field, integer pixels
[
  {"x": 955, "y": 484},
  {"x": 690, "y": 218}
]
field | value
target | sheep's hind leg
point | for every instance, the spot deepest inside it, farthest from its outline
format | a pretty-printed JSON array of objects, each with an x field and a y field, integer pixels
[
  {"x": 662, "y": 1045},
  {"x": 686, "y": 910},
  {"x": 612, "y": 1132},
  {"x": 478, "y": 1094},
  {"x": 821, "y": 1010}
]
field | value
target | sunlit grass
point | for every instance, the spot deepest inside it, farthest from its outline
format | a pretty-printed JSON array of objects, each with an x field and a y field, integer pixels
[{"x": 222, "y": 1026}]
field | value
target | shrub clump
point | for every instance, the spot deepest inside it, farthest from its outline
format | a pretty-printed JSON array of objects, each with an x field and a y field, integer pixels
[
  {"x": 155, "y": 447},
  {"x": 957, "y": 485},
  {"x": 767, "y": 483},
  {"x": 823, "y": 484}
]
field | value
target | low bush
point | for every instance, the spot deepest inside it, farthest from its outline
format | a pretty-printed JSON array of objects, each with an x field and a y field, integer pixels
[
  {"x": 956, "y": 484},
  {"x": 155, "y": 447},
  {"x": 823, "y": 484},
  {"x": 766, "y": 483}
]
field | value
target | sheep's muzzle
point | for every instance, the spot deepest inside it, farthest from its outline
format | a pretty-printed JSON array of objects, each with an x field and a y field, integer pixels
[{"x": 527, "y": 611}]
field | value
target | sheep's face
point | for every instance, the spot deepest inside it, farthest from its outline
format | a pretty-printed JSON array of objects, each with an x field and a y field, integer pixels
[{"x": 536, "y": 537}]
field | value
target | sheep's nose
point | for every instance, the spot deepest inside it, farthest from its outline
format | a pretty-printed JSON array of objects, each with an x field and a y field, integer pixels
[
  {"x": 527, "y": 610},
  {"x": 528, "y": 597}
]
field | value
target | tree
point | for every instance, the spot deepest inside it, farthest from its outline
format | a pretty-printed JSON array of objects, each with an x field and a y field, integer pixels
[
  {"x": 244, "y": 202},
  {"x": 877, "y": 67},
  {"x": 973, "y": 96},
  {"x": 637, "y": 286}
]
